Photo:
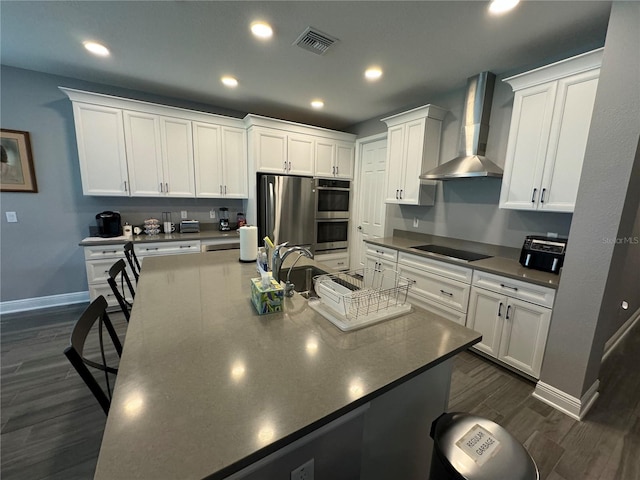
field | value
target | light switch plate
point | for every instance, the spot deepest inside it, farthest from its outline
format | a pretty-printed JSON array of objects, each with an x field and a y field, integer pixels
[
  {"x": 415, "y": 222},
  {"x": 212, "y": 214},
  {"x": 183, "y": 214},
  {"x": 12, "y": 217}
]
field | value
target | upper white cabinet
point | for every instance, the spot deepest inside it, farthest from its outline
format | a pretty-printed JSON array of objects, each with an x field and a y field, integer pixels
[
  {"x": 548, "y": 134},
  {"x": 220, "y": 155},
  {"x": 334, "y": 159},
  {"x": 413, "y": 141},
  {"x": 132, "y": 148},
  {"x": 101, "y": 150},
  {"x": 281, "y": 147}
]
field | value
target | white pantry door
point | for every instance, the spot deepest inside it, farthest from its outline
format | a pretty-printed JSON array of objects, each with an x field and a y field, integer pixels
[{"x": 371, "y": 207}]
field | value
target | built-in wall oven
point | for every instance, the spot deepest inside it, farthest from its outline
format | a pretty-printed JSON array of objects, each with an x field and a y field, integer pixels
[{"x": 332, "y": 202}]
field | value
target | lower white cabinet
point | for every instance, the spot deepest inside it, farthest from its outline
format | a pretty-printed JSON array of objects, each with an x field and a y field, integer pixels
[
  {"x": 166, "y": 248},
  {"x": 513, "y": 330},
  {"x": 440, "y": 287},
  {"x": 337, "y": 261},
  {"x": 381, "y": 258}
]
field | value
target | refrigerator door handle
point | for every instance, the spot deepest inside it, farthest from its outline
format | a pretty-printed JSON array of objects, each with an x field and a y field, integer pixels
[{"x": 271, "y": 209}]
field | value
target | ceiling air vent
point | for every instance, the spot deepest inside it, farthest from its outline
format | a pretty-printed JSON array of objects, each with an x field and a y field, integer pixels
[{"x": 315, "y": 41}]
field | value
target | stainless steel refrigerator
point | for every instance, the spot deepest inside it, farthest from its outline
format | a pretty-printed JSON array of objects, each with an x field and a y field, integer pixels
[{"x": 286, "y": 209}]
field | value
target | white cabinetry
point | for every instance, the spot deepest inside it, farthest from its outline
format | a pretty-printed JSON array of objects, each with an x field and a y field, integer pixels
[
  {"x": 548, "y": 134},
  {"x": 514, "y": 319},
  {"x": 101, "y": 149},
  {"x": 133, "y": 148},
  {"x": 280, "y": 152},
  {"x": 381, "y": 258},
  {"x": 413, "y": 147},
  {"x": 334, "y": 159},
  {"x": 220, "y": 155},
  {"x": 440, "y": 287},
  {"x": 166, "y": 248},
  {"x": 98, "y": 261},
  {"x": 336, "y": 261}
]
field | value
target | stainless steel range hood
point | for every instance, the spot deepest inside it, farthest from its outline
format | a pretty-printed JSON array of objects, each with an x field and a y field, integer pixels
[{"x": 473, "y": 135}]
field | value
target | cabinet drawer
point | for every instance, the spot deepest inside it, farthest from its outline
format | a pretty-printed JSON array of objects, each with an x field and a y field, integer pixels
[
  {"x": 104, "y": 251},
  {"x": 436, "y": 288},
  {"x": 167, "y": 248},
  {"x": 441, "y": 310},
  {"x": 382, "y": 252},
  {"x": 98, "y": 270},
  {"x": 105, "y": 290},
  {"x": 528, "y": 292},
  {"x": 449, "y": 270},
  {"x": 336, "y": 261}
]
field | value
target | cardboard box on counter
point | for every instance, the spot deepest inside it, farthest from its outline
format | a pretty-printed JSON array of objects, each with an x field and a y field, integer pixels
[{"x": 267, "y": 300}]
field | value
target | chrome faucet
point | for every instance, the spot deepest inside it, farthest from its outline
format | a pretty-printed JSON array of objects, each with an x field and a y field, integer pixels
[{"x": 278, "y": 260}]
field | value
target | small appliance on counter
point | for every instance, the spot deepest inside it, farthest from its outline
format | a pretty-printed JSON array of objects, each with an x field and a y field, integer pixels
[
  {"x": 543, "y": 253},
  {"x": 189, "y": 226},
  {"x": 224, "y": 220},
  {"x": 109, "y": 224}
]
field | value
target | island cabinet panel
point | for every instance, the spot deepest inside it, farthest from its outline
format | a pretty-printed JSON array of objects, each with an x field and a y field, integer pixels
[
  {"x": 101, "y": 149},
  {"x": 413, "y": 140},
  {"x": 220, "y": 157},
  {"x": 550, "y": 123},
  {"x": 513, "y": 330}
]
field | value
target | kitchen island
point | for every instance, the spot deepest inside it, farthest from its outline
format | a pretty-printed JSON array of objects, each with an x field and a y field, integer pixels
[{"x": 207, "y": 388}]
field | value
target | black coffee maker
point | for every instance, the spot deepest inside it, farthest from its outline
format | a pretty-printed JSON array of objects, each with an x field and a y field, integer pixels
[{"x": 109, "y": 224}]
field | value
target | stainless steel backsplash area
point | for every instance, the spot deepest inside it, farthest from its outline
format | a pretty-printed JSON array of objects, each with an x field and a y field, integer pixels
[{"x": 468, "y": 209}]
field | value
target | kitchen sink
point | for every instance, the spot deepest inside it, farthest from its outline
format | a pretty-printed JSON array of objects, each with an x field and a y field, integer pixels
[{"x": 302, "y": 278}]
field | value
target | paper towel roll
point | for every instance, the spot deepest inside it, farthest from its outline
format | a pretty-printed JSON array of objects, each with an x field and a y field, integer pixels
[{"x": 248, "y": 244}]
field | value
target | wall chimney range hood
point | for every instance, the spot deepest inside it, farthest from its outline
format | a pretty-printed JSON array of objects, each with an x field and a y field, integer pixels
[{"x": 473, "y": 135}]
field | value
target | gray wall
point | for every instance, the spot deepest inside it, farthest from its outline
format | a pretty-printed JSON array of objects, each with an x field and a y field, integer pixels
[
  {"x": 468, "y": 209},
  {"x": 40, "y": 255},
  {"x": 599, "y": 272}
]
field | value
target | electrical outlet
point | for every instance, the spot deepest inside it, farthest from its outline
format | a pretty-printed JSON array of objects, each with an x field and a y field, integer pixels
[
  {"x": 12, "y": 217},
  {"x": 212, "y": 214},
  {"x": 303, "y": 472},
  {"x": 183, "y": 214},
  {"x": 415, "y": 222},
  {"x": 552, "y": 235}
]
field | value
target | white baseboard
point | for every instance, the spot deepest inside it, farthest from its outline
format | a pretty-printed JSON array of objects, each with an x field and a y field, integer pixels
[
  {"x": 26, "y": 304},
  {"x": 576, "y": 408},
  {"x": 612, "y": 343}
]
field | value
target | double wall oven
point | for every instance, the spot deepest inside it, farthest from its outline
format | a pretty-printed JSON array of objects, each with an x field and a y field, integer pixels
[{"x": 332, "y": 199}]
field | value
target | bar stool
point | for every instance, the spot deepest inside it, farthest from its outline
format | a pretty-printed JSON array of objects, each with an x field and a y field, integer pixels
[
  {"x": 132, "y": 259},
  {"x": 119, "y": 269},
  {"x": 96, "y": 311}
]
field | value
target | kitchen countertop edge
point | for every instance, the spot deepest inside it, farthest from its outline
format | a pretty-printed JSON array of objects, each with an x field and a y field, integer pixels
[{"x": 232, "y": 235}]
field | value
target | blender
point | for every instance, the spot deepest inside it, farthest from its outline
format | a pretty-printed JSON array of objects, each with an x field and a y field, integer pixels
[{"x": 224, "y": 219}]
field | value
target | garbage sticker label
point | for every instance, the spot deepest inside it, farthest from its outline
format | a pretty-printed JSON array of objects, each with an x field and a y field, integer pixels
[{"x": 479, "y": 443}]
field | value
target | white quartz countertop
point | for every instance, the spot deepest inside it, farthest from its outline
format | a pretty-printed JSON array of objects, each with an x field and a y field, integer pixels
[{"x": 206, "y": 386}]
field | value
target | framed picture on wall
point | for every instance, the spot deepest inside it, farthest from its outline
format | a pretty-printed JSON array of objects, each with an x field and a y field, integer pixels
[{"x": 16, "y": 170}]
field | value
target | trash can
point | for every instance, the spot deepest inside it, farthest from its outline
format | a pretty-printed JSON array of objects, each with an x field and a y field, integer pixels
[{"x": 469, "y": 447}]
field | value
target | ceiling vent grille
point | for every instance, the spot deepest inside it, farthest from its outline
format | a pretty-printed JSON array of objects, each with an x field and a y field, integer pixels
[{"x": 315, "y": 41}]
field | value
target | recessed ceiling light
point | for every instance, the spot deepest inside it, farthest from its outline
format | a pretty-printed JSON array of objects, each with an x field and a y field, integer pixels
[
  {"x": 317, "y": 104},
  {"x": 261, "y": 29},
  {"x": 97, "y": 49},
  {"x": 229, "y": 81},
  {"x": 373, "y": 73},
  {"x": 502, "y": 6}
]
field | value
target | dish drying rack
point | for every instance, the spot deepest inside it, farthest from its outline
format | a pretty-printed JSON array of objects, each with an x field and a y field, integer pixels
[{"x": 358, "y": 298}]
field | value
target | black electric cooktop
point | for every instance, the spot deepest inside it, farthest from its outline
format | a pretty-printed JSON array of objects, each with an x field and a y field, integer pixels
[{"x": 452, "y": 252}]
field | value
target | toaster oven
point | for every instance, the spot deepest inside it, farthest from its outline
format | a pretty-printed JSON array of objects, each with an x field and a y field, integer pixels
[{"x": 543, "y": 253}]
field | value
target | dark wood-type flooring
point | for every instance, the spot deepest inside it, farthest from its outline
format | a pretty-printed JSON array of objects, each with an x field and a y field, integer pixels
[{"x": 52, "y": 425}]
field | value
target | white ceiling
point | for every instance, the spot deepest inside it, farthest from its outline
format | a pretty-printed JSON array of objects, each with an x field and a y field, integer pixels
[{"x": 181, "y": 48}]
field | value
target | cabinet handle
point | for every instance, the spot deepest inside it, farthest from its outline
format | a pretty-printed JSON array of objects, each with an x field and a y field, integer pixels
[
  {"x": 161, "y": 191},
  {"x": 446, "y": 293},
  {"x": 508, "y": 310},
  {"x": 148, "y": 249},
  {"x": 166, "y": 190},
  {"x": 104, "y": 252},
  {"x": 284, "y": 166},
  {"x": 220, "y": 189},
  {"x": 340, "y": 263},
  {"x": 289, "y": 166},
  {"x": 337, "y": 170},
  {"x": 533, "y": 197},
  {"x": 125, "y": 186},
  {"x": 515, "y": 289},
  {"x": 397, "y": 194},
  {"x": 500, "y": 309},
  {"x": 400, "y": 194},
  {"x": 542, "y": 195},
  {"x": 185, "y": 246},
  {"x": 225, "y": 189}
]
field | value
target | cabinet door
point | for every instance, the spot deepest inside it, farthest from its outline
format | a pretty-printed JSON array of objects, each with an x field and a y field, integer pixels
[
  {"x": 486, "y": 315},
  {"x": 300, "y": 154},
  {"x": 527, "y": 147},
  {"x": 207, "y": 153},
  {"x": 177, "y": 157},
  {"x": 414, "y": 149},
  {"x": 270, "y": 150},
  {"x": 144, "y": 156},
  {"x": 101, "y": 150},
  {"x": 524, "y": 336},
  {"x": 395, "y": 161},
  {"x": 325, "y": 158},
  {"x": 234, "y": 162},
  {"x": 568, "y": 141},
  {"x": 435, "y": 288},
  {"x": 344, "y": 160}
]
